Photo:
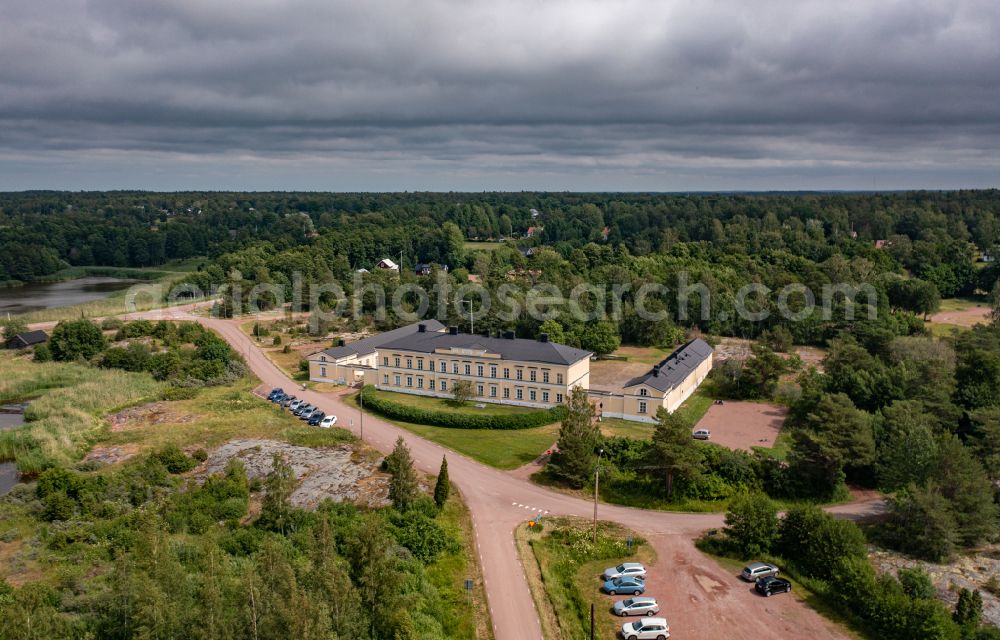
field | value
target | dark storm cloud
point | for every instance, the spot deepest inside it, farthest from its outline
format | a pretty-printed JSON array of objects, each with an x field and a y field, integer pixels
[{"x": 450, "y": 94}]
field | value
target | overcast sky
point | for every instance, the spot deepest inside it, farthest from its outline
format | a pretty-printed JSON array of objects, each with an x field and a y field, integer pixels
[{"x": 350, "y": 95}]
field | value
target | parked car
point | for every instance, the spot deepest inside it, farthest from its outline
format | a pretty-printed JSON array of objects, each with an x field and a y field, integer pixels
[
  {"x": 757, "y": 570},
  {"x": 638, "y": 606},
  {"x": 294, "y": 404},
  {"x": 278, "y": 397},
  {"x": 625, "y": 569},
  {"x": 303, "y": 408},
  {"x": 328, "y": 421},
  {"x": 646, "y": 628},
  {"x": 275, "y": 393},
  {"x": 626, "y": 584},
  {"x": 316, "y": 417},
  {"x": 770, "y": 584},
  {"x": 308, "y": 413},
  {"x": 287, "y": 401},
  {"x": 701, "y": 434}
]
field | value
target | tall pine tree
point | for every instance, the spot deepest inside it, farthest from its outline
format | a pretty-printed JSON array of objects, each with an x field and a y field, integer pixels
[
  {"x": 443, "y": 485},
  {"x": 403, "y": 487},
  {"x": 579, "y": 438}
]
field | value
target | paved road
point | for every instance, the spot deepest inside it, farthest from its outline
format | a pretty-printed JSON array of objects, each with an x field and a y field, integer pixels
[{"x": 702, "y": 600}]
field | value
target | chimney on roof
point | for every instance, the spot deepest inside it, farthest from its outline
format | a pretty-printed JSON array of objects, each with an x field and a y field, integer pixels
[
  {"x": 656, "y": 371},
  {"x": 508, "y": 335},
  {"x": 421, "y": 328},
  {"x": 543, "y": 337},
  {"x": 341, "y": 342},
  {"x": 453, "y": 330}
]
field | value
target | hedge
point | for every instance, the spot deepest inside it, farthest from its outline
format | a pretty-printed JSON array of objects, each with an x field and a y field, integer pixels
[{"x": 406, "y": 413}]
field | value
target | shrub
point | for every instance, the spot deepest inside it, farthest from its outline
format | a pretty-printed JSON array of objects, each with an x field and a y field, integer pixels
[
  {"x": 174, "y": 459},
  {"x": 42, "y": 353},
  {"x": 277, "y": 341},
  {"x": 406, "y": 413},
  {"x": 180, "y": 393},
  {"x": 916, "y": 583},
  {"x": 752, "y": 524},
  {"x": 111, "y": 324},
  {"x": 77, "y": 339}
]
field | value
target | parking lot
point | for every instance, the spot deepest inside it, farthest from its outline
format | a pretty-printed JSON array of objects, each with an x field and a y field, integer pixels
[{"x": 742, "y": 425}]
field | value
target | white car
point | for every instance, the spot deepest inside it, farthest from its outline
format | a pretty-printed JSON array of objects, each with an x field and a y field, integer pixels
[
  {"x": 646, "y": 629},
  {"x": 701, "y": 434},
  {"x": 625, "y": 570},
  {"x": 328, "y": 422},
  {"x": 637, "y": 606}
]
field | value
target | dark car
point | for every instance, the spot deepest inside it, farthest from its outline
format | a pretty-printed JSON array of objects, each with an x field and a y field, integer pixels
[
  {"x": 316, "y": 418},
  {"x": 302, "y": 408},
  {"x": 770, "y": 584},
  {"x": 275, "y": 393},
  {"x": 287, "y": 400}
]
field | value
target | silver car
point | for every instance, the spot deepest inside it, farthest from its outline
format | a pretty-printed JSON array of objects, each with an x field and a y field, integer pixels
[
  {"x": 637, "y": 606},
  {"x": 646, "y": 629},
  {"x": 757, "y": 570},
  {"x": 625, "y": 570}
]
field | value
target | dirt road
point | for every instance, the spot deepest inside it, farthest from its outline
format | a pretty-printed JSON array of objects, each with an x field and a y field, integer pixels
[{"x": 702, "y": 600}]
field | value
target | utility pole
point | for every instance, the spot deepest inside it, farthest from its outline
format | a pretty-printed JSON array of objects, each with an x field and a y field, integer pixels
[
  {"x": 597, "y": 474},
  {"x": 361, "y": 399}
]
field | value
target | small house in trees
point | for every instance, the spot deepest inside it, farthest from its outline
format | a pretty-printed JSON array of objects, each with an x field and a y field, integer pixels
[
  {"x": 386, "y": 264},
  {"x": 27, "y": 339}
]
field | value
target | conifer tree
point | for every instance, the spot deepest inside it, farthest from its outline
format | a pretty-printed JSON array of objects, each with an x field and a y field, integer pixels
[{"x": 443, "y": 485}]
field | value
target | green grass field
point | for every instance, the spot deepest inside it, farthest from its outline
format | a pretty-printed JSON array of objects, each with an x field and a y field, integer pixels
[
  {"x": 482, "y": 246},
  {"x": 447, "y": 406}
]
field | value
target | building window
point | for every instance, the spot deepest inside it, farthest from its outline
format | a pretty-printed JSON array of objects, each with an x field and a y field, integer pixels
[
  {"x": 519, "y": 394},
  {"x": 519, "y": 374},
  {"x": 559, "y": 398},
  {"x": 506, "y": 393},
  {"x": 545, "y": 396},
  {"x": 559, "y": 378},
  {"x": 444, "y": 385},
  {"x": 397, "y": 381},
  {"x": 493, "y": 371},
  {"x": 420, "y": 365},
  {"x": 479, "y": 390},
  {"x": 454, "y": 367},
  {"x": 643, "y": 392},
  {"x": 531, "y": 394},
  {"x": 493, "y": 392},
  {"x": 545, "y": 377},
  {"x": 532, "y": 375},
  {"x": 506, "y": 373},
  {"x": 479, "y": 370},
  {"x": 409, "y": 363},
  {"x": 397, "y": 362},
  {"x": 642, "y": 406},
  {"x": 323, "y": 358},
  {"x": 420, "y": 382},
  {"x": 322, "y": 372},
  {"x": 431, "y": 384},
  {"x": 468, "y": 369},
  {"x": 385, "y": 361},
  {"x": 409, "y": 381},
  {"x": 444, "y": 367},
  {"x": 385, "y": 378}
]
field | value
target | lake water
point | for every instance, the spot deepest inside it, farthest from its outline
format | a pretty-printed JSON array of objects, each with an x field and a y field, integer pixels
[
  {"x": 11, "y": 416},
  {"x": 33, "y": 297}
]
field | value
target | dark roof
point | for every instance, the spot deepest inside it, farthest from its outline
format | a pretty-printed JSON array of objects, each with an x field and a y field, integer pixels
[
  {"x": 676, "y": 367},
  {"x": 28, "y": 338},
  {"x": 508, "y": 348},
  {"x": 370, "y": 345}
]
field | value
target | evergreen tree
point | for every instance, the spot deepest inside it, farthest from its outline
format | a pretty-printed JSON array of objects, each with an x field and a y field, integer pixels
[
  {"x": 443, "y": 486},
  {"x": 579, "y": 438},
  {"x": 403, "y": 486},
  {"x": 673, "y": 454},
  {"x": 969, "y": 609},
  {"x": 276, "y": 510}
]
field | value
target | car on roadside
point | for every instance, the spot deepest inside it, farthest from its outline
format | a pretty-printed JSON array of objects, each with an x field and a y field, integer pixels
[
  {"x": 626, "y": 584},
  {"x": 634, "y": 569},
  {"x": 757, "y": 570},
  {"x": 328, "y": 421},
  {"x": 701, "y": 434},
  {"x": 277, "y": 398},
  {"x": 770, "y": 584},
  {"x": 294, "y": 404},
  {"x": 275, "y": 393},
  {"x": 637, "y": 606},
  {"x": 316, "y": 417},
  {"x": 308, "y": 413},
  {"x": 646, "y": 629},
  {"x": 303, "y": 408},
  {"x": 287, "y": 401}
]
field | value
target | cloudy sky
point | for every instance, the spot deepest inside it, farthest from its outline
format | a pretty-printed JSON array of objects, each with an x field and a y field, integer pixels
[{"x": 499, "y": 94}]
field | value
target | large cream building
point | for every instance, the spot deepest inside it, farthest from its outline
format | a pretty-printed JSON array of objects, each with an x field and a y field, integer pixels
[{"x": 427, "y": 359}]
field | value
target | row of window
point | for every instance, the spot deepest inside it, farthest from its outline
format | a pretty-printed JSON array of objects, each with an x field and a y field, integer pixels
[
  {"x": 481, "y": 390},
  {"x": 467, "y": 367}
]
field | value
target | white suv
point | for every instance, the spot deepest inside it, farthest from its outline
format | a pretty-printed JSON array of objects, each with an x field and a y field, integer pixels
[
  {"x": 646, "y": 629},
  {"x": 625, "y": 570}
]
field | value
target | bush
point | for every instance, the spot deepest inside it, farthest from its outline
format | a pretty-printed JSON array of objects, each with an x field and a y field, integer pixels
[
  {"x": 174, "y": 459},
  {"x": 42, "y": 353},
  {"x": 406, "y": 413},
  {"x": 752, "y": 524},
  {"x": 180, "y": 393},
  {"x": 77, "y": 339},
  {"x": 277, "y": 341},
  {"x": 814, "y": 540},
  {"x": 111, "y": 324}
]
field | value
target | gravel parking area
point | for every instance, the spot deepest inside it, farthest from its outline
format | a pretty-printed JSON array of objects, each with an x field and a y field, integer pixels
[{"x": 742, "y": 425}]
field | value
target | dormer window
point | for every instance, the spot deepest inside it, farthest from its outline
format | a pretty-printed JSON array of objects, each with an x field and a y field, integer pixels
[{"x": 643, "y": 392}]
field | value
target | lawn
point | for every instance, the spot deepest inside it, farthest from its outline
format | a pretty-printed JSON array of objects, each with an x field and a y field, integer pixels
[
  {"x": 563, "y": 568},
  {"x": 482, "y": 246},
  {"x": 618, "y": 428}
]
